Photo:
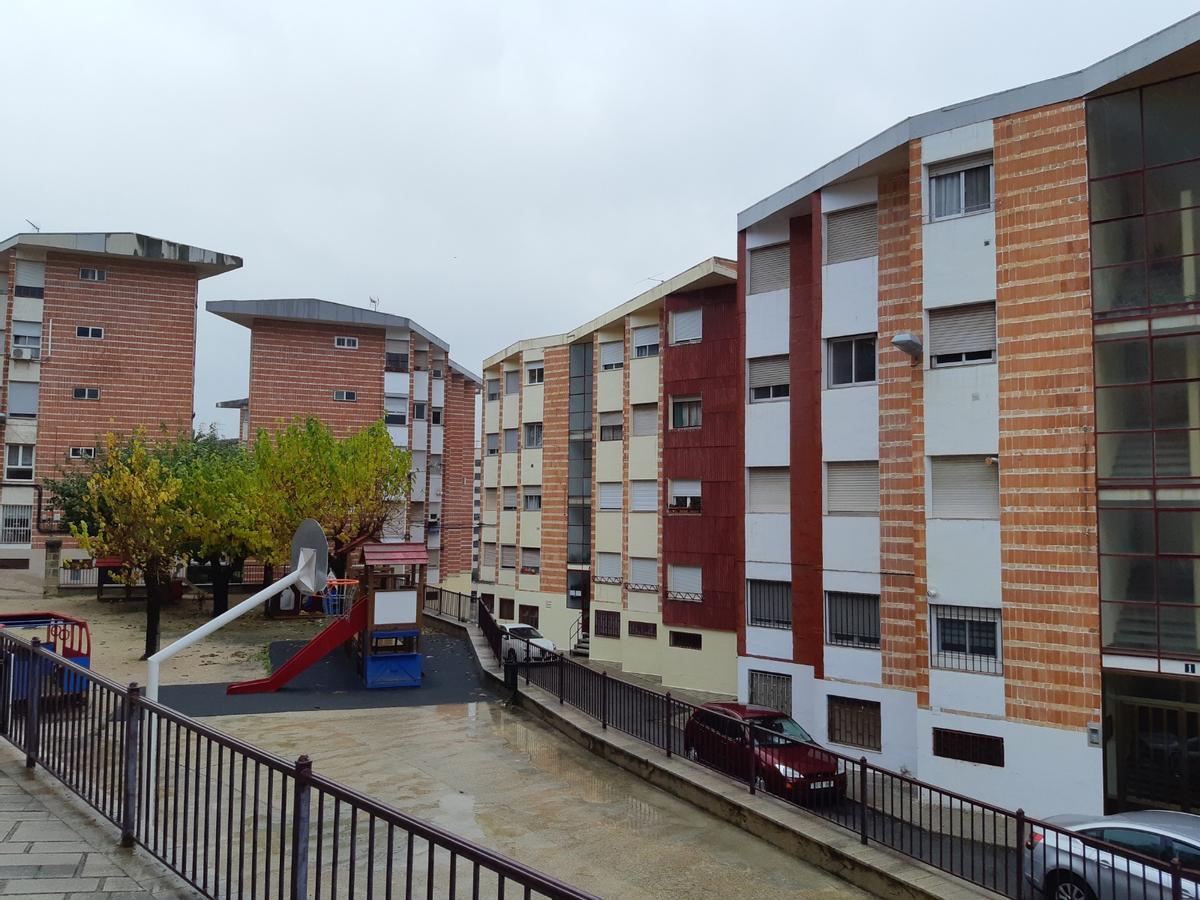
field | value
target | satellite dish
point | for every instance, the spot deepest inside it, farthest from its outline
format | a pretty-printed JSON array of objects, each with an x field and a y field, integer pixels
[{"x": 310, "y": 536}]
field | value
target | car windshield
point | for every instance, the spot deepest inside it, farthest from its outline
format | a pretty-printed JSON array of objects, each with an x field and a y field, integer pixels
[
  {"x": 779, "y": 730},
  {"x": 524, "y": 631}
]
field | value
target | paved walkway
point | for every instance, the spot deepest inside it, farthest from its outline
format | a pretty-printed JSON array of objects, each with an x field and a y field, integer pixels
[{"x": 53, "y": 848}]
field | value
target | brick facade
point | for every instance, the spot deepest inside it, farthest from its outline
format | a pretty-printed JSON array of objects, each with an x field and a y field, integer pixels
[
  {"x": 458, "y": 475},
  {"x": 554, "y": 470}
]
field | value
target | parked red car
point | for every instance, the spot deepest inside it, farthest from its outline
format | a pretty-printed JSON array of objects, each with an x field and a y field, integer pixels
[{"x": 787, "y": 761}]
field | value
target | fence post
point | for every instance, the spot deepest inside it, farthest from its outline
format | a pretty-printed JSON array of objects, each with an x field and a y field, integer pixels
[
  {"x": 604, "y": 699},
  {"x": 862, "y": 799},
  {"x": 7, "y": 660},
  {"x": 1020, "y": 854},
  {"x": 753, "y": 762},
  {"x": 667, "y": 723},
  {"x": 561, "y": 669},
  {"x": 133, "y": 721},
  {"x": 1176, "y": 879},
  {"x": 301, "y": 799},
  {"x": 33, "y": 693}
]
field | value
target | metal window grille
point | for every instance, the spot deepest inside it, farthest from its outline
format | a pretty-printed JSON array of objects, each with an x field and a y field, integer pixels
[
  {"x": 686, "y": 640},
  {"x": 506, "y": 608},
  {"x": 771, "y": 689},
  {"x": 769, "y": 603},
  {"x": 855, "y": 722},
  {"x": 16, "y": 524},
  {"x": 966, "y": 638},
  {"x": 642, "y": 629},
  {"x": 851, "y": 620},
  {"x": 608, "y": 623},
  {"x": 968, "y": 746},
  {"x": 852, "y": 234},
  {"x": 769, "y": 269}
]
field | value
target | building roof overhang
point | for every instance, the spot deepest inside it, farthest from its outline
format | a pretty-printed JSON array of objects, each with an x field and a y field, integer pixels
[{"x": 123, "y": 245}]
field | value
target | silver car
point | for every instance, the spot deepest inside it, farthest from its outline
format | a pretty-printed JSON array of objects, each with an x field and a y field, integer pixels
[{"x": 1064, "y": 867}]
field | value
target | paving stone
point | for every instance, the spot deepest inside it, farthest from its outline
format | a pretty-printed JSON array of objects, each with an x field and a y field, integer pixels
[
  {"x": 120, "y": 883},
  {"x": 18, "y": 886},
  {"x": 38, "y": 859},
  {"x": 97, "y": 864},
  {"x": 43, "y": 831},
  {"x": 75, "y": 846}
]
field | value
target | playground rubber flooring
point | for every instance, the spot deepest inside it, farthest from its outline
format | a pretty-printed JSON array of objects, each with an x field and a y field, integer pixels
[{"x": 451, "y": 676}]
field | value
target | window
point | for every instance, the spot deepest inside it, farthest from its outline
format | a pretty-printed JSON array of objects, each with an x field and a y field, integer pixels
[
  {"x": 512, "y": 382},
  {"x": 685, "y": 412},
  {"x": 535, "y": 373},
  {"x": 852, "y": 234},
  {"x": 768, "y": 489},
  {"x": 968, "y": 746},
  {"x": 685, "y": 582},
  {"x": 89, "y": 274},
  {"x": 687, "y": 325},
  {"x": 643, "y": 573},
  {"x": 92, "y": 332},
  {"x": 967, "y": 188},
  {"x": 506, "y": 607},
  {"x": 641, "y": 629},
  {"x": 532, "y": 498},
  {"x": 964, "y": 487},
  {"x": 852, "y": 488},
  {"x": 770, "y": 378},
  {"x": 686, "y": 640},
  {"x": 22, "y": 399},
  {"x": 490, "y": 498},
  {"x": 852, "y": 620},
  {"x": 435, "y": 415},
  {"x": 612, "y": 355},
  {"x": 579, "y": 534},
  {"x": 531, "y": 560},
  {"x": 533, "y": 436},
  {"x": 610, "y": 493},
  {"x": 510, "y": 440},
  {"x": 27, "y": 340},
  {"x": 1148, "y": 843},
  {"x": 643, "y": 496},
  {"x": 437, "y": 374},
  {"x": 685, "y": 495},
  {"x": 852, "y": 360},
  {"x": 769, "y": 603},
  {"x": 81, "y": 453},
  {"x": 510, "y": 498},
  {"x": 962, "y": 335},
  {"x": 18, "y": 462},
  {"x": 489, "y": 556},
  {"x": 493, "y": 444},
  {"x": 855, "y": 722},
  {"x": 508, "y": 556},
  {"x": 527, "y": 614},
  {"x": 612, "y": 427},
  {"x": 31, "y": 279},
  {"x": 493, "y": 388},
  {"x": 608, "y": 623},
  {"x": 345, "y": 343},
  {"x": 645, "y": 341},
  {"x": 90, "y": 393},
  {"x": 16, "y": 524},
  {"x": 967, "y": 638},
  {"x": 395, "y": 409},
  {"x": 395, "y": 362},
  {"x": 768, "y": 269},
  {"x": 419, "y": 411},
  {"x": 645, "y": 419},
  {"x": 608, "y": 567},
  {"x": 772, "y": 690}
]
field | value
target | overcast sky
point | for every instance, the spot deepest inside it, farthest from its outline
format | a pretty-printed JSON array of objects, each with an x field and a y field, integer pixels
[{"x": 493, "y": 170}]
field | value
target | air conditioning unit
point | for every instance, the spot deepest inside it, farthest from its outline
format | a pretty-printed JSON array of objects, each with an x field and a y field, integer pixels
[{"x": 30, "y": 353}]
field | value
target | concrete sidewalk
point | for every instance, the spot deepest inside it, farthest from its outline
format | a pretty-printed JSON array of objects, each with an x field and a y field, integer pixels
[{"x": 53, "y": 847}]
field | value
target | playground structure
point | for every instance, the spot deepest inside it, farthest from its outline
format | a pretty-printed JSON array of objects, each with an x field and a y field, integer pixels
[{"x": 68, "y": 636}]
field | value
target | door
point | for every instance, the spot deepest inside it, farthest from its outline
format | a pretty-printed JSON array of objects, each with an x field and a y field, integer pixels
[
  {"x": 579, "y": 595},
  {"x": 527, "y": 614}
]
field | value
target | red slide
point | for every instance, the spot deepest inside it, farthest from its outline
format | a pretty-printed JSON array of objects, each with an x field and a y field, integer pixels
[{"x": 328, "y": 638}]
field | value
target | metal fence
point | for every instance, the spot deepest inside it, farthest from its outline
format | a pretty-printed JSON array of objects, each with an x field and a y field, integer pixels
[
  {"x": 460, "y": 607},
  {"x": 230, "y": 819},
  {"x": 1001, "y": 850}
]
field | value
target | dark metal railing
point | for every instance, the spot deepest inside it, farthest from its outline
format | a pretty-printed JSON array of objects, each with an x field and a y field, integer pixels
[
  {"x": 460, "y": 607},
  {"x": 1001, "y": 850},
  {"x": 230, "y": 819}
]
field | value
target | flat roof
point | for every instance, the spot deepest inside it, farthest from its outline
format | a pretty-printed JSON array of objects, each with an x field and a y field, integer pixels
[
  {"x": 310, "y": 309},
  {"x": 1086, "y": 81},
  {"x": 128, "y": 245}
]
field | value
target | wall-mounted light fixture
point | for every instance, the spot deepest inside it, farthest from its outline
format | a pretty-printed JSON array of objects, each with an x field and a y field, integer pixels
[{"x": 909, "y": 343}]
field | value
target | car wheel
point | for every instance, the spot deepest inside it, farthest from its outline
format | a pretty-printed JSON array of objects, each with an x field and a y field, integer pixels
[
  {"x": 1068, "y": 887},
  {"x": 692, "y": 754}
]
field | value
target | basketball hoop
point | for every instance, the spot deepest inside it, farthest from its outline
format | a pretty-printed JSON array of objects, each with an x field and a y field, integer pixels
[{"x": 339, "y": 595}]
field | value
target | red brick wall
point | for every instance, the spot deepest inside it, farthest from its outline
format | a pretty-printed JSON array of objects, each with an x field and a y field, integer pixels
[
  {"x": 294, "y": 370},
  {"x": 1047, "y": 467},
  {"x": 554, "y": 470},
  {"x": 458, "y": 451}
]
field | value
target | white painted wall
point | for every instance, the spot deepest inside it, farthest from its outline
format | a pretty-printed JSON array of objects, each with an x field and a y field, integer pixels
[
  {"x": 420, "y": 385},
  {"x": 420, "y": 434},
  {"x": 767, "y": 324},
  {"x": 772, "y": 230},
  {"x": 853, "y": 664},
  {"x": 532, "y": 402},
  {"x": 850, "y": 297},
  {"x": 969, "y": 692},
  {"x": 962, "y": 410},
  {"x": 959, "y": 260},
  {"x": 774, "y": 643},
  {"x": 395, "y": 607},
  {"x": 610, "y": 390},
  {"x": 396, "y": 383},
  {"x": 849, "y": 194},
  {"x": 437, "y": 394},
  {"x": 609, "y": 460},
  {"x": 435, "y": 439},
  {"x": 643, "y": 379},
  {"x": 850, "y": 543},
  {"x": 768, "y": 434},
  {"x": 850, "y": 422},
  {"x": 963, "y": 556},
  {"x": 769, "y": 537},
  {"x": 643, "y": 457},
  {"x": 977, "y": 137}
]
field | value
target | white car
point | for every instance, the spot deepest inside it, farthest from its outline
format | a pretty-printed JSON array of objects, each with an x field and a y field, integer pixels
[{"x": 524, "y": 643}]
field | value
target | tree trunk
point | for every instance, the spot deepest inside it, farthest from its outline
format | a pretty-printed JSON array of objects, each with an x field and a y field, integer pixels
[
  {"x": 268, "y": 574},
  {"x": 155, "y": 588},
  {"x": 221, "y": 575},
  {"x": 337, "y": 563}
]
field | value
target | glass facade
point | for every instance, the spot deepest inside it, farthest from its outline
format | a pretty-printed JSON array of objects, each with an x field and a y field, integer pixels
[{"x": 579, "y": 457}]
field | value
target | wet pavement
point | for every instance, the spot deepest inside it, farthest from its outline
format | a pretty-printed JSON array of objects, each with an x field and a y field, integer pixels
[{"x": 494, "y": 775}]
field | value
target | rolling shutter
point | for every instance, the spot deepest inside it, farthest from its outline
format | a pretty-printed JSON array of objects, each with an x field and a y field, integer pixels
[
  {"x": 684, "y": 579},
  {"x": 608, "y": 565},
  {"x": 531, "y": 557},
  {"x": 769, "y": 490},
  {"x": 508, "y": 556},
  {"x": 767, "y": 371},
  {"x": 31, "y": 274},
  {"x": 610, "y": 418},
  {"x": 489, "y": 556},
  {"x": 643, "y": 496},
  {"x": 643, "y": 571},
  {"x": 769, "y": 269},
  {"x": 610, "y": 494},
  {"x": 645, "y": 419},
  {"x": 962, "y": 329},
  {"x": 685, "y": 487},
  {"x": 510, "y": 498},
  {"x": 852, "y": 487},
  {"x": 645, "y": 336},
  {"x": 22, "y": 398},
  {"x": 687, "y": 325},
  {"x": 852, "y": 234},
  {"x": 510, "y": 440},
  {"x": 964, "y": 487},
  {"x": 612, "y": 353}
]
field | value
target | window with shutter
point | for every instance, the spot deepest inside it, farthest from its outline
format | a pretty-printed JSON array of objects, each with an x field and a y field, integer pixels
[
  {"x": 23, "y": 399},
  {"x": 643, "y": 573},
  {"x": 852, "y": 488},
  {"x": 851, "y": 234},
  {"x": 645, "y": 419},
  {"x": 395, "y": 409},
  {"x": 684, "y": 494},
  {"x": 532, "y": 498},
  {"x": 769, "y": 378},
  {"x": 531, "y": 560},
  {"x": 508, "y": 556},
  {"x": 966, "y": 638},
  {"x": 959, "y": 188},
  {"x": 510, "y": 498},
  {"x": 510, "y": 440},
  {"x": 611, "y": 426},
  {"x": 512, "y": 382},
  {"x": 645, "y": 341},
  {"x": 533, "y": 435},
  {"x": 687, "y": 326},
  {"x": 608, "y": 567},
  {"x": 489, "y": 556},
  {"x": 768, "y": 489},
  {"x": 684, "y": 582},
  {"x": 31, "y": 279},
  {"x": 493, "y": 388},
  {"x": 493, "y": 444},
  {"x": 643, "y": 496},
  {"x": 489, "y": 499},
  {"x": 964, "y": 487},
  {"x": 962, "y": 335},
  {"x": 612, "y": 355},
  {"x": 610, "y": 494},
  {"x": 769, "y": 269},
  {"x": 535, "y": 373}
]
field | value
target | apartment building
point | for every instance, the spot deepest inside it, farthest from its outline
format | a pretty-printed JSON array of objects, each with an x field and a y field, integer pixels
[
  {"x": 351, "y": 367},
  {"x": 611, "y": 482},
  {"x": 972, "y": 533},
  {"x": 99, "y": 335}
]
